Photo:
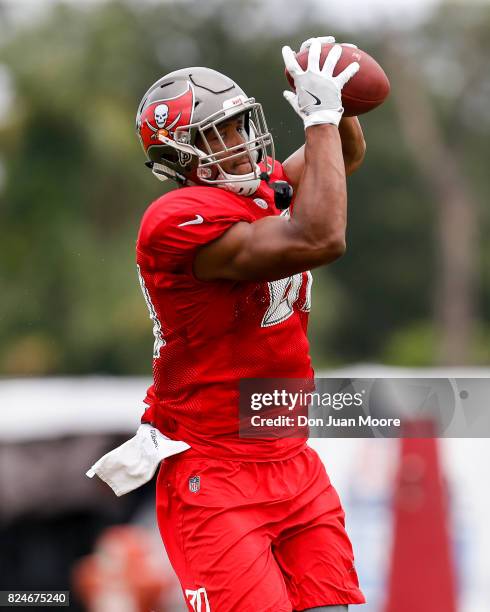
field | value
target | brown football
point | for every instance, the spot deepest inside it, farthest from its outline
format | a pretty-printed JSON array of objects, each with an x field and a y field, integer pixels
[{"x": 366, "y": 90}]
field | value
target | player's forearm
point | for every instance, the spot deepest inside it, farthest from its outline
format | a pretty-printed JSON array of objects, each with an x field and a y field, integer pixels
[
  {"x": 275, "y": 247},
  {"x": 353, "y": 143},
  {"x": 353, "y": 150},
  {"x": 320, "y": 209}
]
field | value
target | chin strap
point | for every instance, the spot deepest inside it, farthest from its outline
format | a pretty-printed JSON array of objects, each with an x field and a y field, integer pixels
[
  {"x": 246, "y": 185},
  {"x": 283, "y": 191},
  {"x": 164, "y": 173}
]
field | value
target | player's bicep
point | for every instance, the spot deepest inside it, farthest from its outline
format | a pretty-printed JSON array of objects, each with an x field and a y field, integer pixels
[
  {"x": 353, "y": 150},
  {"x": 294, "y": 165},
  {"x": 268, "y": 249}
]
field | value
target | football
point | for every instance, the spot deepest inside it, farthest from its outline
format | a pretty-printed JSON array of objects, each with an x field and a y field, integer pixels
[{"x": 365, "y": 91}]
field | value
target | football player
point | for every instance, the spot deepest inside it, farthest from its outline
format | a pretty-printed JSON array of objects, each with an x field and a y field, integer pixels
[{"x": 250, "y": 525}]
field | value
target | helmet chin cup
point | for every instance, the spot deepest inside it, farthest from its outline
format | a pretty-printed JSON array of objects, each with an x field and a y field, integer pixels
[{"x": 241, "y": 184}]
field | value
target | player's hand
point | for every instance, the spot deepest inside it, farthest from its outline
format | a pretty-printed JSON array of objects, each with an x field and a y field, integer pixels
[
  {"x": 318, "y": 97},
  {"x": 306, "y": 44},
  {"x": 324, "y": 40}
]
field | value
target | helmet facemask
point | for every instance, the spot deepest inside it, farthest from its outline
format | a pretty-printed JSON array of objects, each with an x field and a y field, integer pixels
[{"x": 258, "y": 146}]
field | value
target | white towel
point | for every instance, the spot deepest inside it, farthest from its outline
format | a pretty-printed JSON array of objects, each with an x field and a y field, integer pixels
[{"x": 134, "y": 463}]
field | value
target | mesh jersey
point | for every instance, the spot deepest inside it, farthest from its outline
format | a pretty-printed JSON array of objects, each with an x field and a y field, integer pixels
[{"x": 209, "y": 335}]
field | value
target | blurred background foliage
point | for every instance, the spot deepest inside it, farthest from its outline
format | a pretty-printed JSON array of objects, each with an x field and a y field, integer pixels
[{"x": 73, "y": 186}]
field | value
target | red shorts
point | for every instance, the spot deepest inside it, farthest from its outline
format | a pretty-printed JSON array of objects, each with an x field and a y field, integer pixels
[{"x": 255, "y": 537}]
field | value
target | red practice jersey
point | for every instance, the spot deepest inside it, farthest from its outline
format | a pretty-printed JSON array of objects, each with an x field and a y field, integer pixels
[{"x": 209, "y": 335}]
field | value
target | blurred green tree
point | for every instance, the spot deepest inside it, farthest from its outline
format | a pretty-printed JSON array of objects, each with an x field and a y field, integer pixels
[{"x": 75, "y": 187}]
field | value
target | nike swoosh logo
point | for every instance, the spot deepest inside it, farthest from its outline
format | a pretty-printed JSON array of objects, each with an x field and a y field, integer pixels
[
  {"x": 317, "y": 100},
  {"x": 195, "y": 221}
]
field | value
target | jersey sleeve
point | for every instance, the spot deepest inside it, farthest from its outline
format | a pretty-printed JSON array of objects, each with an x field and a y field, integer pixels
[
  {"x": 277, "y": 173},
  {"x": 177, "y": 226}
]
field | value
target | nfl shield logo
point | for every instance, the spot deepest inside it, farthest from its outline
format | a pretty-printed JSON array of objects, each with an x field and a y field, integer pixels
[{"x": 194, "y": 484}]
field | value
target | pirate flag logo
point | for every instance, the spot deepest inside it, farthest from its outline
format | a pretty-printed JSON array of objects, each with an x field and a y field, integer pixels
[{"x": 162, "y": 117}]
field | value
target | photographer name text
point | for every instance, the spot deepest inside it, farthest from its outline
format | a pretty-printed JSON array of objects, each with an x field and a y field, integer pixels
[{"x": 304, "y": 421}]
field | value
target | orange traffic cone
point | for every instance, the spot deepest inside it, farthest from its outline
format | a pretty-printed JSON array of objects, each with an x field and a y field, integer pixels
[{"x": 422, "y": 573}]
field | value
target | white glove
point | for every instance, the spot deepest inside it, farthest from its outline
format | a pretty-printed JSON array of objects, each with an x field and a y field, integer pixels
[
  {"x": 318, "y": 97},
  {"x": 323, "y": 40}
]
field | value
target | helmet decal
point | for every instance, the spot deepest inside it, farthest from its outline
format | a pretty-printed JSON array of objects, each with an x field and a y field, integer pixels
[
  {"x": 184, "y": 158},
  {"x": 162, "y": 117}
]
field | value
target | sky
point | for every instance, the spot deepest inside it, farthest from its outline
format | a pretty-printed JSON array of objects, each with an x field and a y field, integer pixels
[
  {"x": 282, "y": 15},
  {"x": 345, "y": 13}
]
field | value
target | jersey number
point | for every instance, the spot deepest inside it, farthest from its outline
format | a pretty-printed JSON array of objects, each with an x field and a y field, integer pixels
[
  {"x": 197, "y": 599},
  {"x": 283, "y": 294},
  {"x": 157, "y": 326}
]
